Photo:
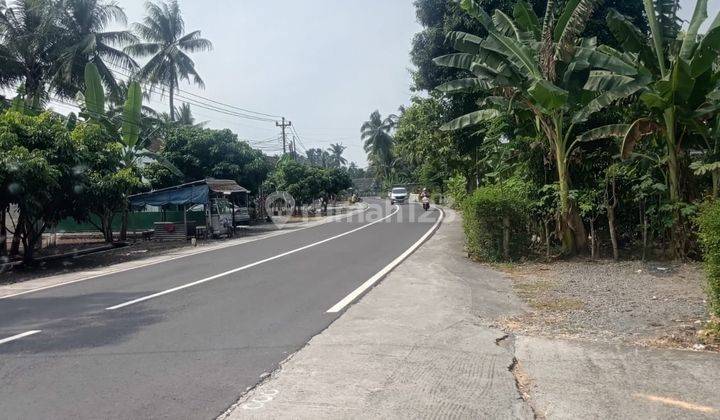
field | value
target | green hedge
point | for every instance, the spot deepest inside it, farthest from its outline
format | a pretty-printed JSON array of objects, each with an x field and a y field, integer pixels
[
  {"x": 709, "y": 234},
  {"x": 484, "y": 213}
]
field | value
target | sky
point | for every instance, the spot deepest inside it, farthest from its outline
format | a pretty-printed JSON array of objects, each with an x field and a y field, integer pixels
[{"x": 323, "y": 64}]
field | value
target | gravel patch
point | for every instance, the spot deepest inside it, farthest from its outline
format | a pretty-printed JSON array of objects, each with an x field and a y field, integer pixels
[{"x": 650, "y": 304}]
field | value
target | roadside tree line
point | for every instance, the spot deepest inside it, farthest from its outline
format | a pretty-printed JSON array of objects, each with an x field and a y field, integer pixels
[
  {"x": 567, "y": 127},
  {"x": 84, "y": 166}
]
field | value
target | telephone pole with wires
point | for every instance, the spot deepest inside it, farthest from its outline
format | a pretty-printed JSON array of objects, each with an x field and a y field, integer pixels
[{"x": 283, "y": 125}]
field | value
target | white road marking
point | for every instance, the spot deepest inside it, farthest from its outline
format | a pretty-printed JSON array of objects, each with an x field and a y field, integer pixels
[
  {"x": 382, "y": 273},
  {"x": 200, "y": 251},
  {"x": 16, "y": 337},
  {"x": 245, "y": 267}
]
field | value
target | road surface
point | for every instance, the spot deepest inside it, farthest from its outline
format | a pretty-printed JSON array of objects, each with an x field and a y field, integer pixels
[{"x": 183, "y": 339}]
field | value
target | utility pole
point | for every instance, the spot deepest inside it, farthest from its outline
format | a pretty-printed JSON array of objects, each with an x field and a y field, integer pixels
[
  {"x": 284, "y": 125},
  {"x": 294, "y": 148}
]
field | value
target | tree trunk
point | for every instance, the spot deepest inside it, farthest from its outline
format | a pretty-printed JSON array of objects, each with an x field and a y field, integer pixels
[
  {"x": 592, "y": 239},
  {"x": 19, "y": 230},
  {"x": 106, "y": 224},
  {"x": 124, "y": 226},
  {"x": 677, "y": 232},
  {"x": 172, "y": 100},
  {"x": 613, "y": 233},
  {"x": 3, "y": 233},
  {"x": 547, "y": 239},
  {"x": 506, "y": 238},
  {"x": 572, "y": 230},
  {"x": 643, "y": 218}
]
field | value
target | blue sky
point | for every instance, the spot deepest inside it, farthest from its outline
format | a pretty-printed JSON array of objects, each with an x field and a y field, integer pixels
[{"x": 324, "y": 64}]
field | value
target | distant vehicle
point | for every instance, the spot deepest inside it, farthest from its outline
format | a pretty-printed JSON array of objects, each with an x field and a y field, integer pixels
[
  {"x": 426, "y": 203},
  {"x": 398, "y": 195}
]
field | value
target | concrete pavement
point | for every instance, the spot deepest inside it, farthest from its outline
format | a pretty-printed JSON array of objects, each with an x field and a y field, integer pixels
[
  {"x": 422, "y": 345},
  {"x": 414, "y": 347}
]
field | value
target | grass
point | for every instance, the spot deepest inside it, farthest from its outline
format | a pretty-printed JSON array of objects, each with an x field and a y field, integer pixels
[{"x": 710, "y": 334}]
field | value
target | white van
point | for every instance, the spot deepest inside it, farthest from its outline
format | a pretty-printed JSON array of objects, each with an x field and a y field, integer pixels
[{"x": 398, "y": 195}]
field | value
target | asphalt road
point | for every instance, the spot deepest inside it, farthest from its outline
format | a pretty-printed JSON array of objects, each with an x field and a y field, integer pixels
[{"x": 189, "y": 352}]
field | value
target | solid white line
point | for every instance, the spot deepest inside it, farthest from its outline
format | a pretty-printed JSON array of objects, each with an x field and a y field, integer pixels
[
  {"x": 177, "y": 257},
  {"x": 15, "y": 337},
  {"x": 245, "y": 267},
  {"x": 388, "y": 268}
]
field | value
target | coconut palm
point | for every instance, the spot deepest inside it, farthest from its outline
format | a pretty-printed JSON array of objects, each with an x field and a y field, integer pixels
[
  {"x": 336, "y": 154},
  {"x": 378, "y": 142},
  {"x": 168, "y": 46},
  {"x": 83, "y": 23},
  {"x": 546, "y": 71},
  {"x": 29, "y": 43}
]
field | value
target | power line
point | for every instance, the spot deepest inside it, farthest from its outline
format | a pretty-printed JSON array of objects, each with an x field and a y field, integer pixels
[{"x": 153, "y": 89}]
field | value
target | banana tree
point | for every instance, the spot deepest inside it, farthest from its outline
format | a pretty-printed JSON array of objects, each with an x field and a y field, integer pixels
[
  {"x": 125, "y": 131},
  {"x": 682, "y": 96},
  {"x": 548, "y": 69}
]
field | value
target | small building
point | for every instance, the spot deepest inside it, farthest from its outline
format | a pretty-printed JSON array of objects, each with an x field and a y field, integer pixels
[{"x": 217, "y": 205}]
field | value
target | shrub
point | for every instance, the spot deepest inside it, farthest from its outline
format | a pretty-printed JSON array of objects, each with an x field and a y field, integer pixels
[
  {"x": 709, "y": 234},
  {"x": 437, "y": 198},
  {"x": 495, "y": 220},
  {"x": 457, "y": 190}
]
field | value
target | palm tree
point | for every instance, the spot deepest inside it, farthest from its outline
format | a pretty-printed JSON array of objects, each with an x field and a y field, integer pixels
[
  {"x": 163, "y": 32},
  {"x": 84, "y": 23},
  {"x": 29, "y": 43},
  {"x": 336, "y": 153},
  {"x": 378, "y": 142}
]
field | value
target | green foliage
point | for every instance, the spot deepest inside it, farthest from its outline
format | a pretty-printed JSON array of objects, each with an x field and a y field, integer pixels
[
  {"x": 307, "y": 183},
  {"x": 419, "y": 143},
  {"x": 39, "y": 171},
  {"x": 167, "y": 46},
  {"x": 457, "y": 190},
  {"x": 709, "y": 234},
  {"x": 486, "y": 211},
  {"x": 200, "y": 152},
  {"x": 106, "y": 183}
]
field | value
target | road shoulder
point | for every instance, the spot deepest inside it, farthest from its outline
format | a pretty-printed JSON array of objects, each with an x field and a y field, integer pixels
[
  {"x": 47, "y": 282},
  {"x": 414, "y": 346}
]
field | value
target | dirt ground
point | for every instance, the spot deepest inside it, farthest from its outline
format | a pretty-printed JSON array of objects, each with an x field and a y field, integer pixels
[{"x": 647, "y": 304}]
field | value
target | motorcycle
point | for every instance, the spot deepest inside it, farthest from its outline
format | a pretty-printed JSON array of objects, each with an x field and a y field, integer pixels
[{"x": 426, "y": 203}]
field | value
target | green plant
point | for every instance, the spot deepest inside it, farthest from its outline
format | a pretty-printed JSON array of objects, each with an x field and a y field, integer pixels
[
  {"x": 437, "y": 198},
  {"x": 548, "y": 72},
  {"x": 457, "y": 190},
  {"x": 708, "y": 223},
  {"x": 682, "y": 94},
  {"x": 495, "y": 219},
  {"x": 167, "y": 44}
]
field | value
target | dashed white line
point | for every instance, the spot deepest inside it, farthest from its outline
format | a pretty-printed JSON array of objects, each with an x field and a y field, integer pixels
[
  {"x": 245, "y": 267},
  {"x": 176, "y": 257},
  {"x": 382, "y": 273},
  {"x": 19, "y": 336}
]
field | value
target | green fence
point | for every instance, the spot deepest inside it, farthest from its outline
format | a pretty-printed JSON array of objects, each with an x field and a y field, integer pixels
[{"x": 137, "y": 221}]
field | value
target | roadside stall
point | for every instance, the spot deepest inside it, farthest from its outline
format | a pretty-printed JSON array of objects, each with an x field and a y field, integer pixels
[{"x": 216, "y": 207}]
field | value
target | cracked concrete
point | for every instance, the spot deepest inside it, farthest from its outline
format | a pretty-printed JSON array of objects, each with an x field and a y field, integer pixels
[
  {"x": 413, "y": 347},
  {"x": 422, "y": 345}
]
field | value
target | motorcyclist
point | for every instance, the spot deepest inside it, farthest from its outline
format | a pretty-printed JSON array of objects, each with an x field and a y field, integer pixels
[{"x": 425, "y": 198}]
